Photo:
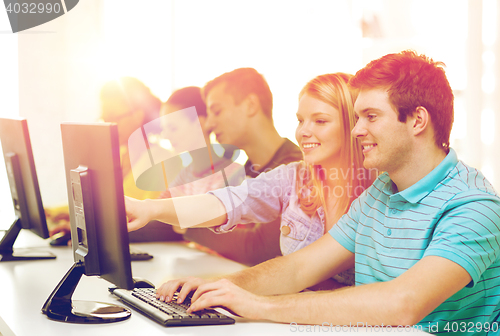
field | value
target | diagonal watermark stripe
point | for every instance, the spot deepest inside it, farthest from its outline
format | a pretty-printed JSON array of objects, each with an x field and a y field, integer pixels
[{"x": 152, "y": 166}]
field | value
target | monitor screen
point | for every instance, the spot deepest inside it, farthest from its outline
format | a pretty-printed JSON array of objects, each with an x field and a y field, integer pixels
[
  {"x": 98, "y": 223},
  {"x": 96, "y": 202},
  {"x": 16, "y": 140},
  {"x": 25, "y": 192}
]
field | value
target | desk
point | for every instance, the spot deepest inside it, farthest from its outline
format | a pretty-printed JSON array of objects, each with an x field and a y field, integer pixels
[{"x": 26, "y": 285}]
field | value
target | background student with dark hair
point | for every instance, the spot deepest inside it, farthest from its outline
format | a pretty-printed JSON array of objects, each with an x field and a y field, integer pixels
[{"x": 239, "y": 112}]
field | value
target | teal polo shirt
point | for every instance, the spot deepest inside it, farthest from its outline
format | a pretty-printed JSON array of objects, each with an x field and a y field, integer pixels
[{"x": 454, "y": 213}]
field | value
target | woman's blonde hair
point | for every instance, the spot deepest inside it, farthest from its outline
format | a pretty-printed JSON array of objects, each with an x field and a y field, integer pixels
[{"x": 353, "y": 178}]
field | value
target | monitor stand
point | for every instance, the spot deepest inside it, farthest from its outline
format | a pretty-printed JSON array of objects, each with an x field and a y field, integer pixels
[
  {"x": 7, "y": 252},
  {"x": 60, "y": 306}
]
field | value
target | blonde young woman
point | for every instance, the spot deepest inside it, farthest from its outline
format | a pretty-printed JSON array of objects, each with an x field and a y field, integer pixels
[{"x": 310, "y": 195}]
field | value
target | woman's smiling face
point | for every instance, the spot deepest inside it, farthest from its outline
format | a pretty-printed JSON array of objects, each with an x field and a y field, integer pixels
[{"x": 319, "y": 132}]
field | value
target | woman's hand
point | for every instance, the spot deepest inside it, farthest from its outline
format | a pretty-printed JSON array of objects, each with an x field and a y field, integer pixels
[{"x": 138, "y": 214}]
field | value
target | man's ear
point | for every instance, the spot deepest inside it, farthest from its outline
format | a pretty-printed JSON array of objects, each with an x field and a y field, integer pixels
[
  {"x": 421, "y": 120},
  {"x": 253, "y": 104}
]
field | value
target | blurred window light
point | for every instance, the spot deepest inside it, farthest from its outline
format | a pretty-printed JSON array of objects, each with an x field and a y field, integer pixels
[
  {"x": 488, "y": 83},
  {"x": 459, "y": 130},
  {"x": 441, "y": 34},
  {"x": 165, "y": 144},
  {"x": 487, "y": 126},
  {"x": 186, "y": 159},
  {"x": 489, "y": 173},
  {"x": 219, "y": 150},
  {"x": 130, "y": 46},
  {"x": 446, "y": 17},
  {"x": 489, "y": 58},
  {"x": 489, "y": 22}
]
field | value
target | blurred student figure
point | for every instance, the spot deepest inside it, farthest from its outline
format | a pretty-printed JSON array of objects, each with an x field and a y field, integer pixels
[
  {"x": 179, "y": 125},
  {"x": 130, "y": 104},
  {"x": 307, "y": 197}
]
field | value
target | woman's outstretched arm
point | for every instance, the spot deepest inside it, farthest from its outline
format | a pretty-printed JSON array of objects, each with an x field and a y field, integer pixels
[{"x": 189, "y": 211}]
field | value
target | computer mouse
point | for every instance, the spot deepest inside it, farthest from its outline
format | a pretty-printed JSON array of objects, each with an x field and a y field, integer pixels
[
  {"x": 61, "y": 239},
  {"x": 142, "y": 283}
]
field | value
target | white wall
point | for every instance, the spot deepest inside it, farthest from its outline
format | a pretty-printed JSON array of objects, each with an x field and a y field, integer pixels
[
  {"x": 58, "y": 83},
  {"x": 9, "y": 88}
]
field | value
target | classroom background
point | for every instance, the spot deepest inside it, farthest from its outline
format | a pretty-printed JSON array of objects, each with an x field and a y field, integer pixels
[{"x": 53, "y": 73}]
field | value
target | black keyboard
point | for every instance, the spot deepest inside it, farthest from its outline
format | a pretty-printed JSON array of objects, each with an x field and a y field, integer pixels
[
  {"x": 137, "y": 254},
  {"x": 169, "y": 313}
]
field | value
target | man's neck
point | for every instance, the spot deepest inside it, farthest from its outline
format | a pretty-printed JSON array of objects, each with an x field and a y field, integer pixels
[
  {"x": 261, "y": 147},
  {"x": 421, "y": 165}
]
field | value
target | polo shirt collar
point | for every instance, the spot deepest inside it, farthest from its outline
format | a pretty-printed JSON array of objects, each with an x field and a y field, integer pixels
[{"x": 427, "y": 184}]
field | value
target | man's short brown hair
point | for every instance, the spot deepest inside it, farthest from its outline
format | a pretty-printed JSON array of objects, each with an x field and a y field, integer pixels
[
  {"x": 411, "y": 81},
  {"x": 242, "y": 82}
]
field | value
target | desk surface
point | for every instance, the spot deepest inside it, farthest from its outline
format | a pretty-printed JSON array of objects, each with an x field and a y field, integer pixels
[{"x": 26, "y": 285}]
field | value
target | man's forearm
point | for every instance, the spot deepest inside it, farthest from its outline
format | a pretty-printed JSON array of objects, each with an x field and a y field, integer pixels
[
  {"x": 271, "y": 277},
  {"x": 296, "y": 271},
  {"x": 373, "y": 304},
  {"x": 405, "y": 300}
]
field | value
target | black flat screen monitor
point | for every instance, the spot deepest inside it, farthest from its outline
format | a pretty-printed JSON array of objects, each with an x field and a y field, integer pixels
[
  {"x": 24, "y": 189},
  {"x": 98, "y": 222}
]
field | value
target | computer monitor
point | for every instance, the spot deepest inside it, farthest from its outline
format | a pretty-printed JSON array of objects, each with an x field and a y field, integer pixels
[
  {"x": 24, "y": 190},
  {"x": 98, "y": 223}
]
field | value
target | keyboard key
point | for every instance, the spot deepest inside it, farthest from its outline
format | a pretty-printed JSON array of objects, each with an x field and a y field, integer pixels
[{"x": 170, "y": 313}]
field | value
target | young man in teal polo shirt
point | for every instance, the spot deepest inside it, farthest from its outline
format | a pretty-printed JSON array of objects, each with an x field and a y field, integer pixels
[{"x": 424, "y": 238}]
